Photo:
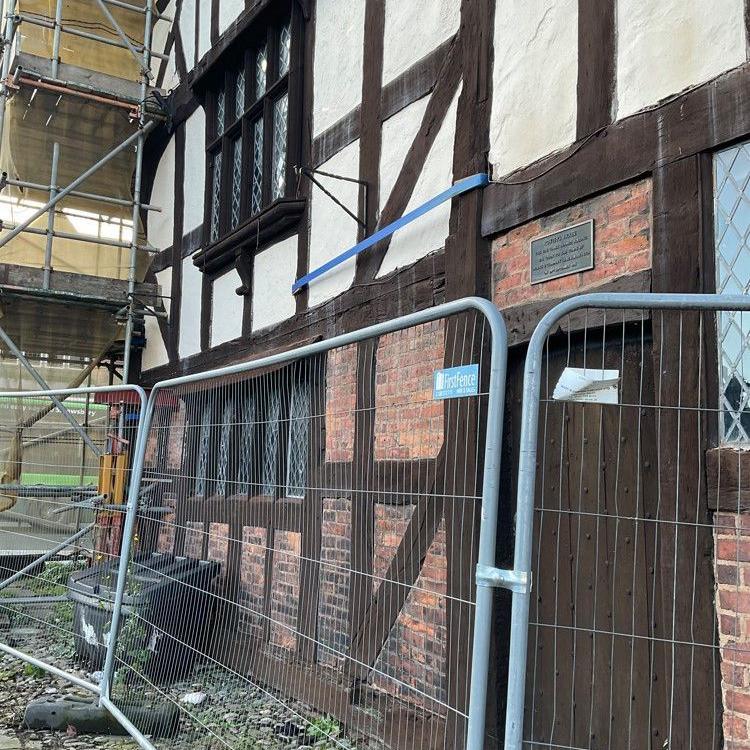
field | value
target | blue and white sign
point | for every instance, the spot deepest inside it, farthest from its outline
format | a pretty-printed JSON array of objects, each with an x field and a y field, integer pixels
[{"x": 456, "y": 382}]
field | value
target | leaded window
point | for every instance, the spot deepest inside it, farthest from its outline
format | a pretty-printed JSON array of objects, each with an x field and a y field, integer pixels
[
  {"x": 222, "y": 462},
  {"x": 732, "y": 247},
  {"x": 253, "y": 439},
  {"x": 247, "y": 445},
  {"x": 249, "y": 115},
  {"x": 271, "y": 443},
  {"x": 204, "y": 446},
  {"x": 299, "y": 436}
]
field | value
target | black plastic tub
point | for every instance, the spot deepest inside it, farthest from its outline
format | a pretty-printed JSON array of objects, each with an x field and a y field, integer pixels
[{"x": 172, "y": 598}]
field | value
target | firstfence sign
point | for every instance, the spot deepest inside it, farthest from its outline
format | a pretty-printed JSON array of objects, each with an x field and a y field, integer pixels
[{"x": 456, "y": 382}]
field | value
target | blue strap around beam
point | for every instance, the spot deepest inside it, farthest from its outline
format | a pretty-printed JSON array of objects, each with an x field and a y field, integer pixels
[{"x": 462, "y": 186}]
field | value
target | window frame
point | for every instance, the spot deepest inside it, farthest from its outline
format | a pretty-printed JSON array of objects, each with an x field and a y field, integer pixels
[{"x": 265, "y": 30}]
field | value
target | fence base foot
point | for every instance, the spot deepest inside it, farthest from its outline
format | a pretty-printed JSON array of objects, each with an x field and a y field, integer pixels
[{"x": 88, "y": 717}]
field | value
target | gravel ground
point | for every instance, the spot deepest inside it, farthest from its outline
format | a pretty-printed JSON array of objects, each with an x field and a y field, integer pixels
[{"x": 228, "y": 712}]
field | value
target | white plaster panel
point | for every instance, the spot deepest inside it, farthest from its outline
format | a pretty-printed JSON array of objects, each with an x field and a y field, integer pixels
[
  {"x": 155, "y": 353},
  {"x": 427, "y": 233},
  {"x": 337, "y": 71},
  {"x": 399, "y": 132},
  {"x": 190, "y": 309},
  {"x": 228, "y": 12},
  {"x": 535, "y": 80},
  {"x": 331, "y": 230},
  {"x": 666, "y": 46},
  {"x": 195, "y": 169},
  {"x": 413, "y": 28},
  {"x": 160, "y": 33},
  {"x": 187, "y": 31},
  {"x": 161, "y": 223},
  {"x": 228, "y": 307},
  {"x": 274, "y": 273},
  {"x": 204, "y": 28}
]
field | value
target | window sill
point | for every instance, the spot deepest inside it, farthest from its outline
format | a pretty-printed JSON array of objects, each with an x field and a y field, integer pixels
[{"x": 280, "y": 216}]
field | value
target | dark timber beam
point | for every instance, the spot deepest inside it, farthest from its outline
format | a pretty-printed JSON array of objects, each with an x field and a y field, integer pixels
[
  {"x": 704, "y": 118},
  {"x": 363, "y": 504},
  {"x": 385, "y": 606},
  {"x": 370, "y": 117},
  {"x": 679, "y": 381},
  {"x": 395, "y": 207},
  {"x": 467, "y": 258},
  {"x": 596, "y": 64}
]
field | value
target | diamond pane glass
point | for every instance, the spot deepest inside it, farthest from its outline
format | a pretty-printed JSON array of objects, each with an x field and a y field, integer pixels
[
  {"x": 221, "y": 111},
  {"x": 239, "y": 96},
  {"x": 732, "y": 247},
  {"x": 278, "y": 175},
  {"x": 222, "y": 468},
  {"x": 285, "y": 45},
  {"x": 216, "y": 197},
  {"x": 256, "y": 197},
  {"x": 204, "y": 443},
  {"x": 261, "y": 65},
  {"x": 247, "y": 440},
  {"x": 298, "y": 449},
  {"x": 236, "y": 181},
  {"x": 271, "y": 443}
]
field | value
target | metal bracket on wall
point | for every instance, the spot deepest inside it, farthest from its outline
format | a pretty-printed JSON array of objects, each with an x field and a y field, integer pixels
[
  {"x": 459, "y": 188},
  {"x": 310, "y": 173}
]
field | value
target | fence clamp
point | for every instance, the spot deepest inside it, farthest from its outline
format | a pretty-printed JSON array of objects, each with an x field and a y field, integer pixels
[{"x": 515, "y": 581}]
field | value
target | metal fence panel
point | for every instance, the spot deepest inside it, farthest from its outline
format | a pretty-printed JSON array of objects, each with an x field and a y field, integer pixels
[
  {"x": 309, "y": 577},
  {"x": 632, "y": 636},
  {"x": 57, "y": 518}
]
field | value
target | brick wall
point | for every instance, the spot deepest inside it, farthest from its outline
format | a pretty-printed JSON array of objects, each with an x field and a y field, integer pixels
[
  {"x": 414, "y": 654},
  {"x": 165, "y": 541},
  {"x": 622, "y": 246},
  {"x": 218, "y": 547},
  {"x": 285, "y": 589},
  {"x": 194, "y": 539},
  {"x": 732, "y": 571},
  {"x": 252, "y": 576},
  {"x": 408, "y": 422},
  {"x": 341, "y": 402},
  {"x": 335, "y": 562}
]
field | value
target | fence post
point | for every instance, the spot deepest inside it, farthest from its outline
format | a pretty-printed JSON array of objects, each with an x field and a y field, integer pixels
[{"x": 127, "y": 538}]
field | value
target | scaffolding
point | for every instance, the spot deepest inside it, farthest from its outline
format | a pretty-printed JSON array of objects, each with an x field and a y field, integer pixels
[{"x": 75, "y": 91}]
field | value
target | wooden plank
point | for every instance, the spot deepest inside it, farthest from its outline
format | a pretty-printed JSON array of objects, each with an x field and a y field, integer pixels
[
  {"x": 370, "y": 117},
  {"x": 363, "y": 504},
  {"x": 305, "y": 187},
  {"x": 596, "y": 65},
  {"x": 688, "y": 615},
  {"x": 521, "y": 320},
  {"x": 467, "y": 273}
]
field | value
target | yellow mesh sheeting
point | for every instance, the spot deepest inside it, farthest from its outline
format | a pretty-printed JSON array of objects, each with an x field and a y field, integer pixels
[
  {"x": 84, "y": 15},
  {"x": 86, "y": 131}
]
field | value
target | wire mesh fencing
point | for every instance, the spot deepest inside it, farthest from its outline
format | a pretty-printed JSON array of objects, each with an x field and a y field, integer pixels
[
  {"x": 632, "y": 518},
  {"x": 64, "y": 478},
  {"x": 308, "y": 578}
]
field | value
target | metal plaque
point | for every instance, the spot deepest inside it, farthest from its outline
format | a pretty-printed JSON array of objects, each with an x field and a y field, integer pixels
[{"x": 563, "y": 253}]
